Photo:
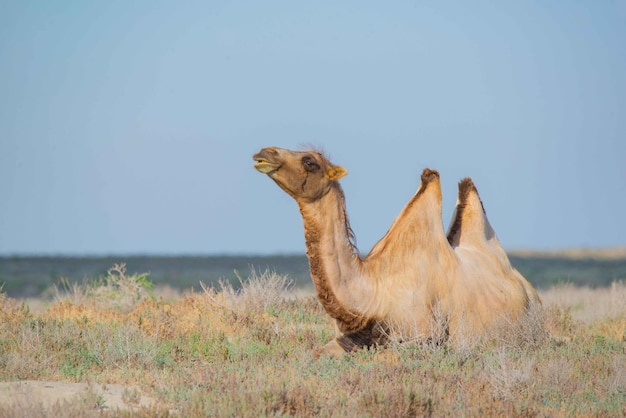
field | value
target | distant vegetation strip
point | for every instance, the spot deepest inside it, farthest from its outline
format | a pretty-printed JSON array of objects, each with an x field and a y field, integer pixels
[
  {"x": 34, "y": 276},
  {"x": 609, "y": 253}
]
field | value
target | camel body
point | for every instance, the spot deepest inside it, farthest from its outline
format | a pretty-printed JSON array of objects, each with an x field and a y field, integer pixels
[{"x": 417, "y": 283}]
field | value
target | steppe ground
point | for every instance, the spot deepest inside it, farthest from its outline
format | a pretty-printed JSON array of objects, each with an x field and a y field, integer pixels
[{"x": 117, "y": 347}]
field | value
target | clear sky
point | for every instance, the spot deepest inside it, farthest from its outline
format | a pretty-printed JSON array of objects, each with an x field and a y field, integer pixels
[{"x": 129, "y": 126}]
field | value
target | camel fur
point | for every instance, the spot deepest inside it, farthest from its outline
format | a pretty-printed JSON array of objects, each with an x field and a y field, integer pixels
[{"x": 417, "y": 282}]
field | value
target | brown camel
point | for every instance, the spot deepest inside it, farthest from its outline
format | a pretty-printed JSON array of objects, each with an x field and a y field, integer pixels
[{"x": 416, "y": 283}]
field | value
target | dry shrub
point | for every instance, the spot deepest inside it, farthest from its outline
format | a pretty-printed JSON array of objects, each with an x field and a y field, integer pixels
[
  {"x": 556, "y": 372},
  {"x": 17, "y": 341},
  {"x": 12, "y": 311},
  {"x": 250, "y": 310},
  {"x": 617, "y": 383},
  {"x": 255, "y": 295},
  {"x": 297, "y": 401},
  {"x": 115, "y": 290},
  {"x": 163, "y": 321},
  {"x": 527, "y": 331},
  {"x": 188, "y": 315},
  {"x": 560, "y": 325},
  {"x": 395, "y": 403},
  {"x": 612, "y": 328},
  {"x": 508, "y": 372},
  {"x": 153, "y": 320},
  {"x": 86, "y": 312}
]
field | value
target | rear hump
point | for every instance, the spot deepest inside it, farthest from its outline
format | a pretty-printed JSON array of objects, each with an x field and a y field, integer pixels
[{"x": 469, "y": 222}]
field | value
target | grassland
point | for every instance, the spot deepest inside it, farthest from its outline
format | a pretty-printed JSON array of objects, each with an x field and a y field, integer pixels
[{"x": 247, "y": 352}]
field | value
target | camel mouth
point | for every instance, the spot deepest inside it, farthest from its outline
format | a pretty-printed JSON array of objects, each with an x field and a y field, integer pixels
[{"x": 264, "y": 166}]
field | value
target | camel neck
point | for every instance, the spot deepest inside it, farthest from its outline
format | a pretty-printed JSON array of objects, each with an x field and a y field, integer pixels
[{"x": 333, "y": 259}]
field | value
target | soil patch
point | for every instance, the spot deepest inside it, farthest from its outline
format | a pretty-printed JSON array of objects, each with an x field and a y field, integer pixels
[{"x": 102, "y": 396}]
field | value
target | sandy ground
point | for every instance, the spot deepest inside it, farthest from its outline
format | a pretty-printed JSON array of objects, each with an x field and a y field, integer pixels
[{"x": 48, "y": 393}]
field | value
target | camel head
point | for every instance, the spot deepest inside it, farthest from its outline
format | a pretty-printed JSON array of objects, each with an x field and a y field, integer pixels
[{"x": 304, "y": 175}]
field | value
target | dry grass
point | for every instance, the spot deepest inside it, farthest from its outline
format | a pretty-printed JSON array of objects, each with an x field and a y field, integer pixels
[
  {"x": 587, "y": 304},
  {"x": 247, "y": 352}
]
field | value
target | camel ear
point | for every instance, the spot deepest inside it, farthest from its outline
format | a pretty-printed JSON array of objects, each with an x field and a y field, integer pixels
[{"x": 336, "y": 172}]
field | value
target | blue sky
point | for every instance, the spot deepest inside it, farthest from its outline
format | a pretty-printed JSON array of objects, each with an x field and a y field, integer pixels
[{"x": 128, "y": 127}]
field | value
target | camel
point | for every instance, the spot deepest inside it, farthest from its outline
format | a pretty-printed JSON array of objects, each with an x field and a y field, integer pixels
[{"x": 417, "y": 283}]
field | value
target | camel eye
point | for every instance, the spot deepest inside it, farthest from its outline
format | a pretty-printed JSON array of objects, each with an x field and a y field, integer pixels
[{"x": 310, "y": 164}]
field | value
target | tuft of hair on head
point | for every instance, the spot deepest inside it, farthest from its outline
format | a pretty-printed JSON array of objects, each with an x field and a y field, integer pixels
[{"x": 307, "y": 146}]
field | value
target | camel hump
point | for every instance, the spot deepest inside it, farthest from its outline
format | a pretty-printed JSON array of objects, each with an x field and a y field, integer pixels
[
  {"x": 466, "y": 186},
  {"x": 419, "y": 226},
  {"x": 429, "y": 182},
  {"x": 428, "y": 175},
  {"x": 469, "y": 223}
]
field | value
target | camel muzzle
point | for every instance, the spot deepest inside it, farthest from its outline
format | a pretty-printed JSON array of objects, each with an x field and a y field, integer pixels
[{"x": 263, "y": 163}]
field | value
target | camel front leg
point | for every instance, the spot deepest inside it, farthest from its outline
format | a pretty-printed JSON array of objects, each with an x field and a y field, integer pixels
[
  {"x": 373, "y": 334},
  {"x": 331, "y": 349}
]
